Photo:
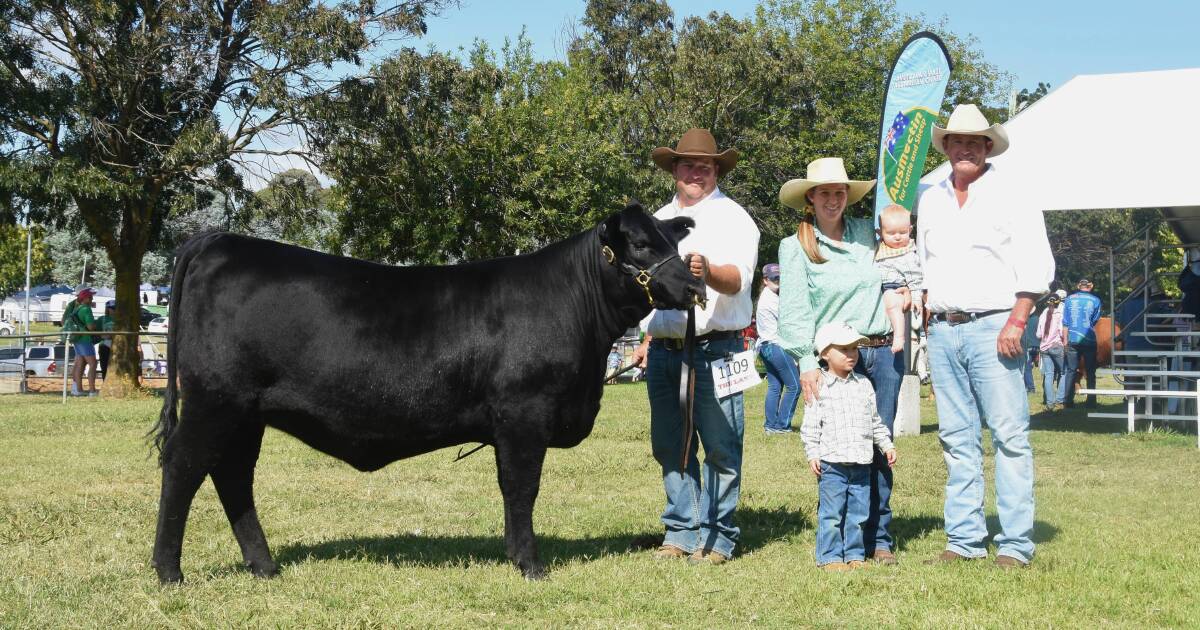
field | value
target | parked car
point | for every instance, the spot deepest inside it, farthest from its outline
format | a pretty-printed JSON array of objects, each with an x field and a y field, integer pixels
[
  {"x": 6, "y": 328},
  {"x": 159, "y": 324},
  {"x": 46, "y": 360},
  {"x": 10, "y": 361},
  {"x": 145, "y": 316}
]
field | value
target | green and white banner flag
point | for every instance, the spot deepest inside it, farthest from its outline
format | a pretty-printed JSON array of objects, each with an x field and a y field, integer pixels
[{"x": 915, "y": 89}]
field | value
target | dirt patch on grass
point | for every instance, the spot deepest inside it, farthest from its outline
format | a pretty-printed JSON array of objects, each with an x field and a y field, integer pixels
[{"x": 50, "y": 385}]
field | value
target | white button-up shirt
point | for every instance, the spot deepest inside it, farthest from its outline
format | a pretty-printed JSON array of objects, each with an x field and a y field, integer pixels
[
  {"x": 980, "y": 256},
  {"x": 766, "y": 318},
  {"x": 726, "y": 235}
]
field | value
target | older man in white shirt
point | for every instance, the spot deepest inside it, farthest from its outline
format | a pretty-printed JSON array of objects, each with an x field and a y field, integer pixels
[
  {"x": 986, "y": 259},
  {"x": 723, "y": 246}
]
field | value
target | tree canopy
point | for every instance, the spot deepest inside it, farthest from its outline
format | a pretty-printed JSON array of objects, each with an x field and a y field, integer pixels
[
  {"x": 440, "y": 159},
  {"x": 126, "y": 111}
]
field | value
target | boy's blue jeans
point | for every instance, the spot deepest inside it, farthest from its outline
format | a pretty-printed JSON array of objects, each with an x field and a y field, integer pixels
[
  {"x": 697, "y": 515},
  {"x": 783, "y": 386},
  {"x": 845, "y": 491},
  {"x": 885, "y": 371}
]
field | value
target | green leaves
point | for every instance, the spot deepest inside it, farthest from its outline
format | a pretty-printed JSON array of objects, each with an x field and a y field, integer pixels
[
  {"x": 112, "y": 114},
  {"x": 443, "y": 160}
]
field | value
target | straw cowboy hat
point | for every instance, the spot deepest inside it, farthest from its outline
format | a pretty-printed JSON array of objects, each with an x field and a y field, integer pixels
[
  {"x": 967, "y": 120},
  {"x": 823, "y": 171},
  {"x": 696, "y": 143}
]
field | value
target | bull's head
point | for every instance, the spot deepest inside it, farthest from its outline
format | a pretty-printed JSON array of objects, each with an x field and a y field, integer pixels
[{"x": 646, "y": 251}]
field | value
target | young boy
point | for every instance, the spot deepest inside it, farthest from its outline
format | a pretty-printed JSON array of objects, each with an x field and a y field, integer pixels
[
  {"x": 840, "y": 432},
  {"x": 899, "y": 266}
]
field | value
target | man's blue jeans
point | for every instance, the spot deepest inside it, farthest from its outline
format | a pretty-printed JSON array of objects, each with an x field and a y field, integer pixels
[
  {"x": 885, "y": 371},
  {"x": 973, "y": 382},
  {"x": 842, "y": 511},
  {"x": 698, "y": 515},
  {"x": 783, "y": 386},
  {"x": 1074, "y": 352},
  {"x": 1052, "y": 374}
]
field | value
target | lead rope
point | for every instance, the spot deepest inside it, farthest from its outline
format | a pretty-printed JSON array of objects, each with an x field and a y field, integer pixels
[{"x": 687, "y": 384}]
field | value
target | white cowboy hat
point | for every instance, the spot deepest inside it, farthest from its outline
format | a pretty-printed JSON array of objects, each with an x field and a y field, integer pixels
[
  {"x": 967, "y": 120},
  {"x": 822, "y": 171}
]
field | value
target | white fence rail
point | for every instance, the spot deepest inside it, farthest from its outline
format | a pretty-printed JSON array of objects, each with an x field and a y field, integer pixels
[{"x": 47, "y": 355}]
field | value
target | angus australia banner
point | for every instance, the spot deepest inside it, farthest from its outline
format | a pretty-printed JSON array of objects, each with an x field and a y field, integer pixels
[{"x": 916, "y": 87}]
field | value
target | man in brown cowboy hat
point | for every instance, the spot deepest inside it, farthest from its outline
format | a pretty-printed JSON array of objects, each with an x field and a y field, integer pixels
[
  {"x": 723, "y": 250},
  {"x": 986, "y": 259}
]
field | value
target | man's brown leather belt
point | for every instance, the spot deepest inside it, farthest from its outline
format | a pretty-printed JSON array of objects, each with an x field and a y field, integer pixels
[
  {"x": 962, "y": 317},
  {"x": 677, "y": 344}
]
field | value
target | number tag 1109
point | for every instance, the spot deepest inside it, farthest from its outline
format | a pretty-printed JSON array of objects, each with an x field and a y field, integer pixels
[{"x": 735, "y": 374}]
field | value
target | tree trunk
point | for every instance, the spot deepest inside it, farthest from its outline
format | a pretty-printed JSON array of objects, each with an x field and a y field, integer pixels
[
  {"x": 124, "y": 365},
  {"x": 126, "y": 258}
]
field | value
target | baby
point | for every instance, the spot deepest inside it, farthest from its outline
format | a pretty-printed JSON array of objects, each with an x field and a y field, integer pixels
[{"x": 899, "y": 266}]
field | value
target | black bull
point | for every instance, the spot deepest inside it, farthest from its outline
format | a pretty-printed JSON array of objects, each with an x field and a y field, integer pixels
[{"x": 512, "y": 353}]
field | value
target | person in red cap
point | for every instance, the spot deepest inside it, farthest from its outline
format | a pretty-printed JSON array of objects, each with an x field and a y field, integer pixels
[{"x": 79, "y": 317}]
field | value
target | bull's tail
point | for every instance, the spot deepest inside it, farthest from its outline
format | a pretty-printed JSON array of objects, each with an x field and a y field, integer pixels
[{"x": 169, "y": 418}]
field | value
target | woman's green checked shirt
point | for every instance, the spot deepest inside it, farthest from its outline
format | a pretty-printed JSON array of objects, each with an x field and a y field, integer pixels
[{"x": 844, "y": 288}]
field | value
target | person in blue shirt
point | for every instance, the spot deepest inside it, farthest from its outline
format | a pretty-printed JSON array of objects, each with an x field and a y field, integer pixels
[{"x": 1080, "y": 312}]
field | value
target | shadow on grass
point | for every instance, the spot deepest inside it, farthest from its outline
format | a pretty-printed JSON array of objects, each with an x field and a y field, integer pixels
[
  {"x": 1075, "y": 419},
  {"x": 906, "y": 529},
  {"x": 1042, "y": 531},
  {"x": 1072, "y": 420},
  {"x": 759, "y": 527},
  {"x": 910, "y": 528}
]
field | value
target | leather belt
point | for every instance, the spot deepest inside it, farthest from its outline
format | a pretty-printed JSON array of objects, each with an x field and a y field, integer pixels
[
  {"x": 716, "y": 335},
  {"x": 961, "y": 317},
  {"x": 876, "y": 341}
]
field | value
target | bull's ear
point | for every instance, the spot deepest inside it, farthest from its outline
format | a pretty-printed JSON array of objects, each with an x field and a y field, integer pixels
[
  {"x": 610, "y": 229},
  {"x": 679, "y": 227},
  {"x": 634, "y": 206}
]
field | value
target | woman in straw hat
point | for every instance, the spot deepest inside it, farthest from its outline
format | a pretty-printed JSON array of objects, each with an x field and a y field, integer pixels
[{"x": 828, "y": 275}]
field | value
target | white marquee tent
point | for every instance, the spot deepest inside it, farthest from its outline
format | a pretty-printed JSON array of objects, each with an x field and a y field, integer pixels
[{"x": 1103, "y": 141}]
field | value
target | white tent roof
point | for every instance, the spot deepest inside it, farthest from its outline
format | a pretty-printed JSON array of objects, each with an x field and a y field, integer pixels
[{"x": 1103, "y": 141}]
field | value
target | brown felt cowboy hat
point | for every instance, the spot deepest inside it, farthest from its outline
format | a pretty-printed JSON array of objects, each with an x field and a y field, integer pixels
[
  {"x": 696, "y": 143},
  {"x": 967, "y": 120}
]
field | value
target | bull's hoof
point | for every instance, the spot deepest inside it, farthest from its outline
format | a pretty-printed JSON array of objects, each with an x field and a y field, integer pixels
[
  {"x": 265, "y": 570},
  {"x": 167, "y": 577},
  {"x": 534, "y": 572}
]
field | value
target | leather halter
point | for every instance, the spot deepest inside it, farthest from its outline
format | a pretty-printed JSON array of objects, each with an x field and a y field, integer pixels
[
  {"x": 687, "y": 374},
  {"x": 644, "y": 276}
]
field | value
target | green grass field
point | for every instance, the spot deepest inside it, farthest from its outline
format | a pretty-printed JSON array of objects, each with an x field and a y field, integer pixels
[{"x": 419, "y": 544}]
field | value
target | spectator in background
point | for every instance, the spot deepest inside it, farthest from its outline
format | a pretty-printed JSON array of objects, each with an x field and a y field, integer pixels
[
  {"x": 106, "y": 323},
  {"x": 783, "y": 376},
  {"x": 1052, "y": 341},
  {"x": 78, "y": 317},
  {"x": 1081, "y": 310},
  {"x": 1029, "y": 342},
  {"x": 1131, "y": 318},
  {"x": 1189, "y": 283}
]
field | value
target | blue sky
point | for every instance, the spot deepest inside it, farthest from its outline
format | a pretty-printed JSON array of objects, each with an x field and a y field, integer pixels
[{"x": 1047, "y": 40}]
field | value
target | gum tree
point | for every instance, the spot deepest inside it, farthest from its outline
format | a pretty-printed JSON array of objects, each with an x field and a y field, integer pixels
[{"x": 126, "y": 111}]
